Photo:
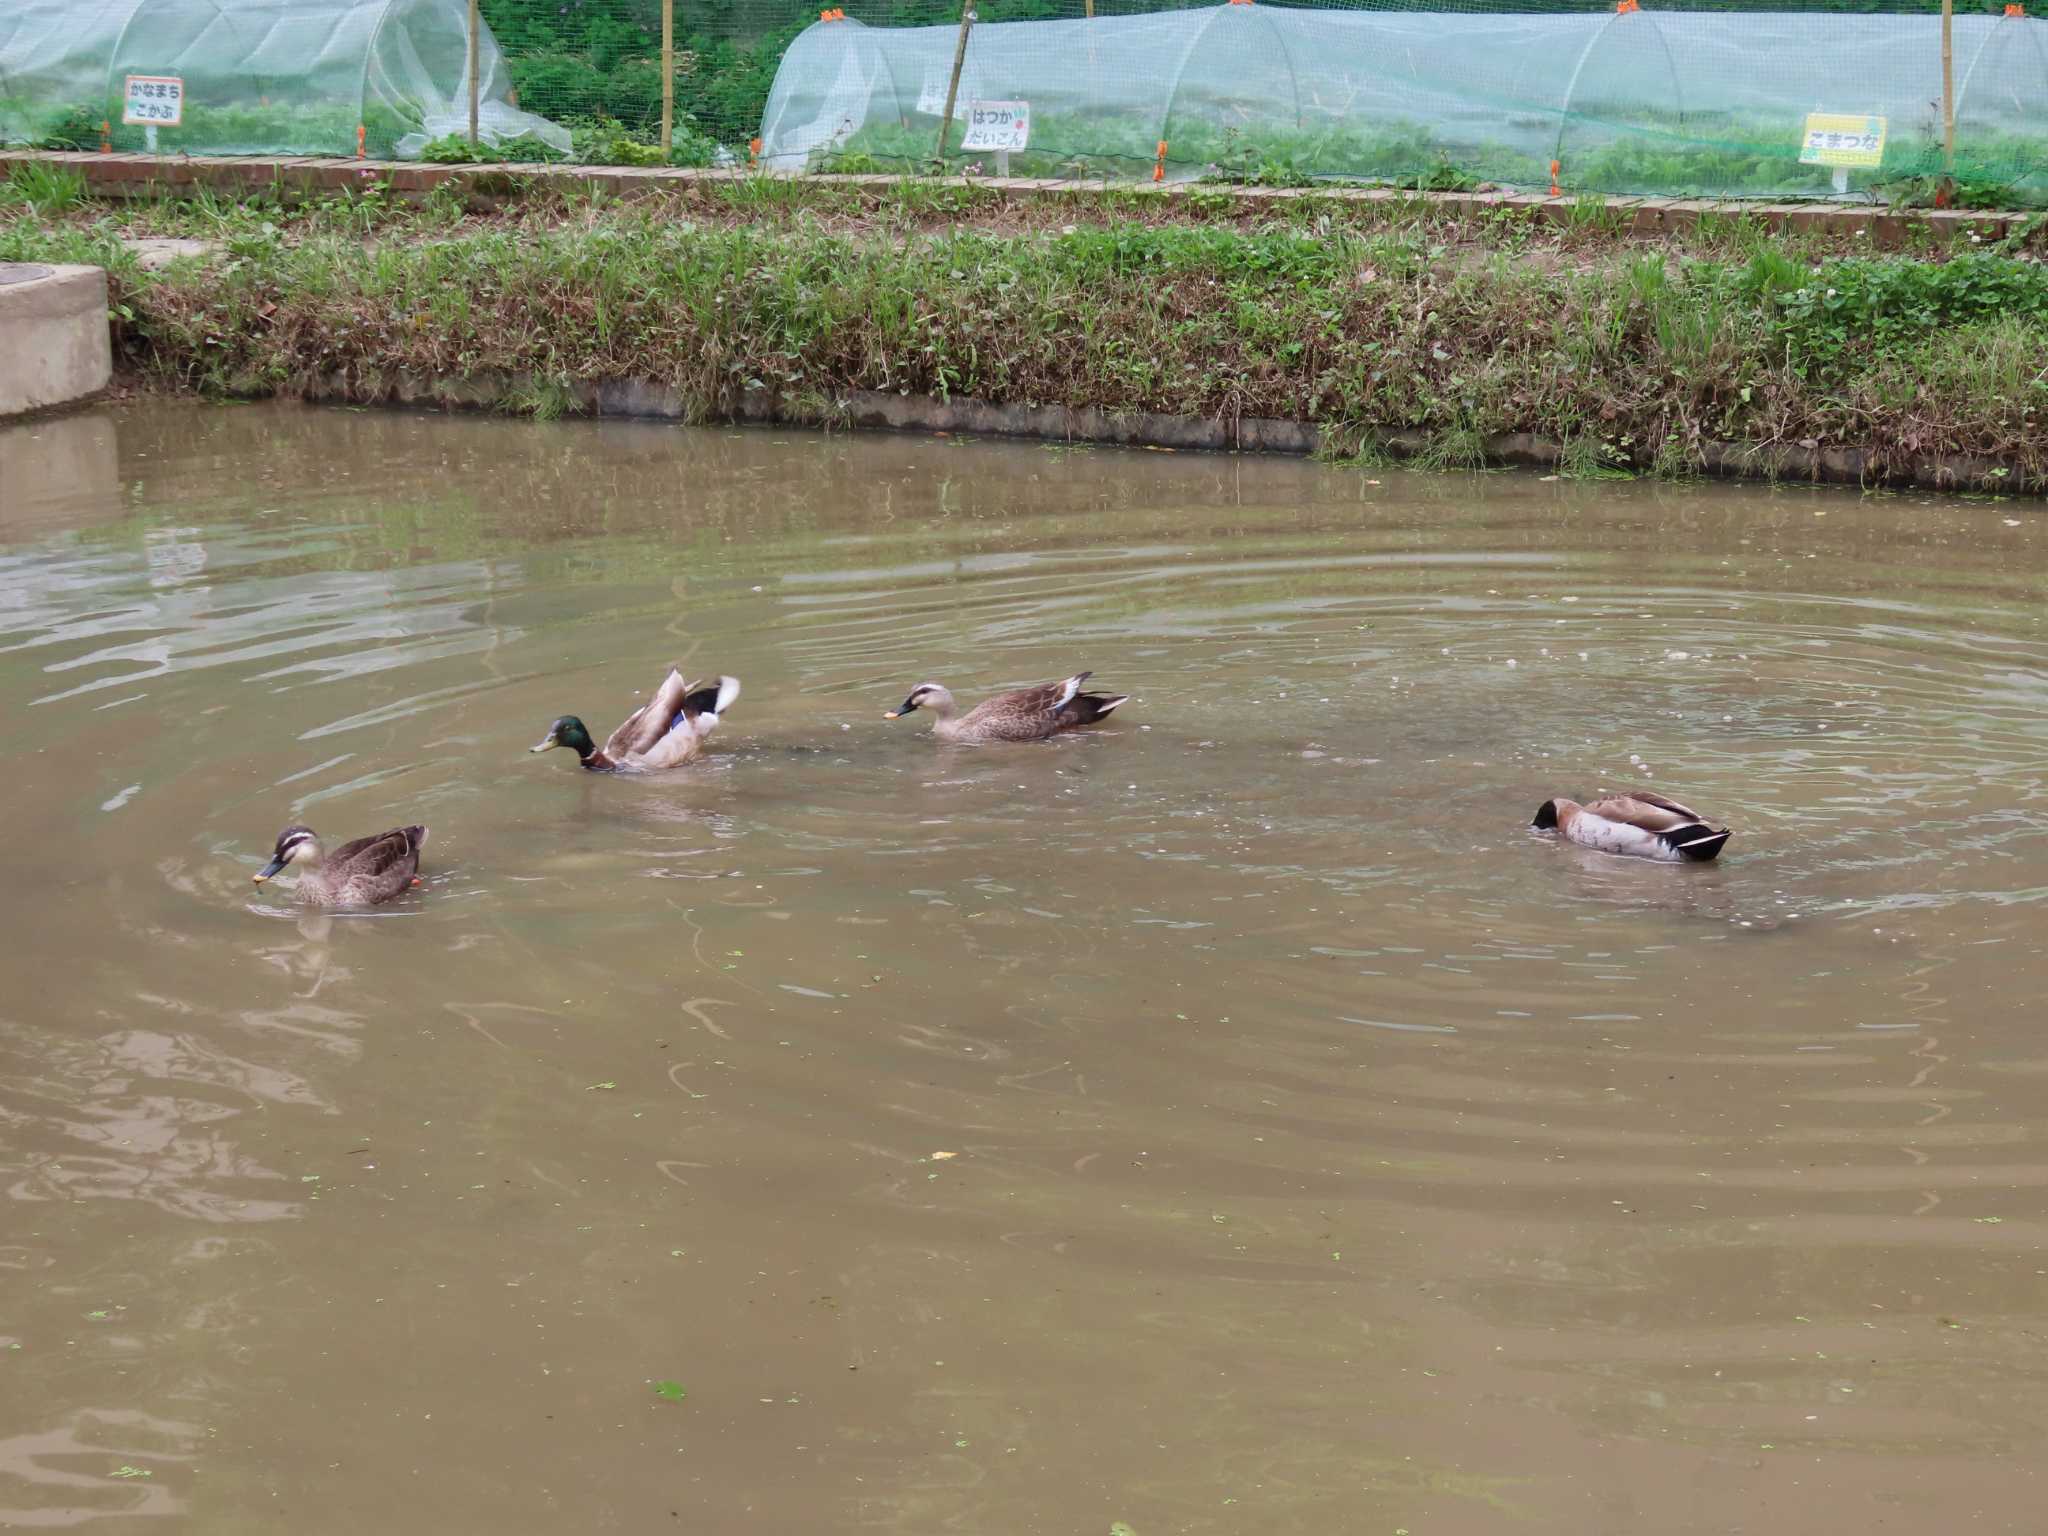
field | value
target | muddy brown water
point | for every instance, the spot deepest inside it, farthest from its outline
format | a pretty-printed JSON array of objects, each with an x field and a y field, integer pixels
[{"x": 1233, "y": 1121}]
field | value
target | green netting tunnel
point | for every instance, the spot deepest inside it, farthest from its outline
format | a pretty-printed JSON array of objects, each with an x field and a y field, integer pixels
[
  {"x": 1675, "y": 103},
  {"x": 260, "y": 76}
]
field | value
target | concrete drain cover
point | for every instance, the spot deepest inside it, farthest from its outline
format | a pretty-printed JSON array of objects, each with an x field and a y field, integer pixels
[{"x": 20, "y": 272}]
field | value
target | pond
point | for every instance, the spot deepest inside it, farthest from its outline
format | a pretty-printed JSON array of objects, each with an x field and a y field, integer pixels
[{"x": 1234, "y": 1118}]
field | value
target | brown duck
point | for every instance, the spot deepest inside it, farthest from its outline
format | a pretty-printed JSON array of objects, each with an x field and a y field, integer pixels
[
  {"x": 1027, "y": 714},
  {"x": 363, "y": 873}
]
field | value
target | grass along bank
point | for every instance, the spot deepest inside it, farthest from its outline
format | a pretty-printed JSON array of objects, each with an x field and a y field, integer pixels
[{"x": 1367, "y": 321}]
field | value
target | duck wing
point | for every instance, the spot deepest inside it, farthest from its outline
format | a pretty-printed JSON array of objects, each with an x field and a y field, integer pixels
[
  {"x": 379, "y": 866},
  {"x": 651, "y": 721},
  {"x": 1641, "y": 808},
  {"x": 1664, "y": 802},
  {"x": 695, "y": 718},
  {"x": 1031, "y": 710}
]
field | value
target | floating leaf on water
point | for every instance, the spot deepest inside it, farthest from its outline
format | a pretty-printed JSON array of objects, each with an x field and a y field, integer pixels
[
  {"x": 1120, "y": 1528},
  {"x": 940, "y": 1157},
  {"x": 132, "y": 1472},
  {"x": 670, "y": 1390},
  {"x": 607, "y": 1085}
]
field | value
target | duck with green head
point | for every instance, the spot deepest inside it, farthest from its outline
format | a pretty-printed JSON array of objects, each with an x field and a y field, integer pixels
[
  {"x": 665, "y": 732},
  {"x": 1649, "y": 826}
]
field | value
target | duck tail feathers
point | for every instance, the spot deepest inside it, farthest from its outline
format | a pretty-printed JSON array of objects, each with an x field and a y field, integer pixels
[
  {"x": 1088, "y": 708},
  {"x": 712, "y": 700},
  {"x": 1699, "y": 841}
]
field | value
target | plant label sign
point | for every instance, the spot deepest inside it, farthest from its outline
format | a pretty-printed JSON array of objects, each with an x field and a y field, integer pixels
[
  {"x": 931, "y": 95},
  {"x": 1001, "y": 126},
  {"x": 154, "y": 101},
  {"x": 1845, "y": 141}
]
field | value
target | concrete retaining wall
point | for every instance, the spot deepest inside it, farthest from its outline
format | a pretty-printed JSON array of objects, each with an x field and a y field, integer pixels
[
  {"x": 54, "y": 344},
  {"x": 651, "y": 400}
]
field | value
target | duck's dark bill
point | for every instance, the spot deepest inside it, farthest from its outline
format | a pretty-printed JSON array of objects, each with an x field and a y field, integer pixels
[{"x": 268, "y": 870}]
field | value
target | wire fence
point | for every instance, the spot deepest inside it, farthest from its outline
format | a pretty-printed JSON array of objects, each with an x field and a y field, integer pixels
[{"x": 1896, "y": 99}]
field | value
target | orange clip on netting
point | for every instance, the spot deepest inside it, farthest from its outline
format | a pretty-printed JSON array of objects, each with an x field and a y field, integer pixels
[
  {"x": 2015, "y": 10},
  {"x": 1159, "y": 165},
  {"x": 106, "y": 136},
  {"x": 1623, "y": 7},
  {"x": 362, "y": 142},
  {"x": 1553, "y": 180},
  {"x": 832, "y": 15}
]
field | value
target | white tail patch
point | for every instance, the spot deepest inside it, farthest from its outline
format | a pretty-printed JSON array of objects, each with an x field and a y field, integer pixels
[
  {"x": 728, "y": 690},
  {"x": 1071, "y": 687},
  {"x": 1591, "y": 831},
  {"x": 1108, "y": 706}
]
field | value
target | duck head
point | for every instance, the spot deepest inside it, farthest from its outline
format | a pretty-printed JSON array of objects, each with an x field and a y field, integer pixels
[
  {"x": 294, "y": 845},
  {"x": 932, "y": 696},
  {"x": 567, "y": 732}
]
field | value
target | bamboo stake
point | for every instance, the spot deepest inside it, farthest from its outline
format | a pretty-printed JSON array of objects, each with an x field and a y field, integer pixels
[
  {"x": 953, "y": 85},
  {"x": 475, "y": 55},
  {"x": 1948, "y": 87},
  {"x": 668, "y": 75}
]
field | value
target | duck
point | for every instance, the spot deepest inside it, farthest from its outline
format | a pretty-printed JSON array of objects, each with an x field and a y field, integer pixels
[
  {"x": 364, "y": 873},
  {"x": 665, "y": 732},
  {"x": 1647, "y": 825},
  {"x": 1024, "y": 714}
]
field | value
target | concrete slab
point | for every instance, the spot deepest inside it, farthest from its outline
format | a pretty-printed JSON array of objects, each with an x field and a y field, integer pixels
[
  {"x": 54, "y": 343},
  {"x": 155, "y": 252}
]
